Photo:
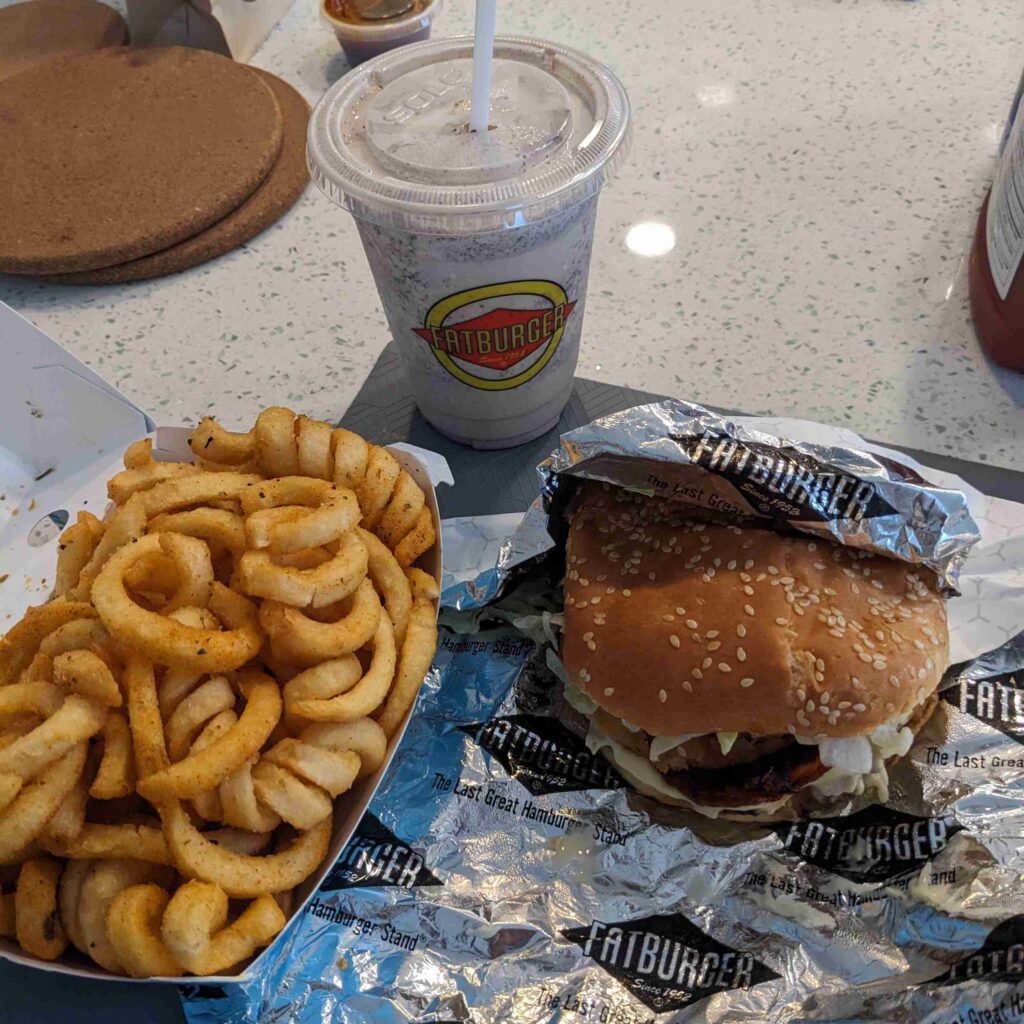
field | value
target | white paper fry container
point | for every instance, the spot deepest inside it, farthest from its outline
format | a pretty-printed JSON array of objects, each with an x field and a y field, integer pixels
[{"x": 63, "y": 431}]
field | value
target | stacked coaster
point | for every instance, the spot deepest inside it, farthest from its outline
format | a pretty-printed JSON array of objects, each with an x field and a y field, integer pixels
[
  {"x": 125, "y": 164},
  {"x": 41, "y": 29}
]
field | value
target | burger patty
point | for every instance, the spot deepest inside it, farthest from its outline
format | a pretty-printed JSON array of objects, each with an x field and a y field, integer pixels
[
  {"x": 769, "y": 778},
  {"x": 757, "y": 770},
  {"x": 706, "y": 752}
]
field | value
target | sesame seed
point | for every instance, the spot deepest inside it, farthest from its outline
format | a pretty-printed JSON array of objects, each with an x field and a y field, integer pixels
[
  {"x": 820, "y": 665},
  {"x": 626, "y": 592},
  {"x": 802, "y": 718},
  {"x": 668, "y": 618},
  {"x": 723, "y": 667},
  {"x": 691, "y": 624},
  {"x": 591, "y": 646},
  {"x": 695, "y": 637},
  {"x": 706, "y": 663},
  {"x": 650, "y": 576},
  {"x": 748, "y": 609},
  {"x": 717, "y": 563},
  {"x": 714, "y": 645},
  {"x": 582, "y": 673},
  {"x": 865, "y": 657},
  {"x": 843, "y": 705},
  {"x": 825, "y": 697},
  {"x": 662, "y": 696},
  {"x": 747, "y": 681},
  {"x": 749, "y": 563},
  {"x": 741, "y": 654},
  {"x": 697, "y": 674},
  {"x": 773, "y": 570},
  {"x": 609, "y": 690},
  {"x": 878, "y": 584},
  {"x": 786, "y": 580},
  {"x": 712, "y": 633},
  {"x": 749, "y": 591},
  {"x": 596, "y": 600},
  {"x": 810, "y": 705},
  {"x": 812, "y": 546},
  {"x": 584, "y": 583},
  {"x": 687, "y": 686},
  {"x": 860, "y": 707},
  {"x": 849, "y": 572},
  {"x": 610, "y": 590},
  {"x": 680, "y": 611},
  {"x": 819, "y": 565},
  {"x": 781, "y": 621},
  {"x": 674, "y": 640},
  {"x": 922, "y": 673},
  {"x": 745, "y": 576},
  {"x": 741, "y": 630},
  {"x": 855, "y": 588},
  {"x": 731, "y": 565}
]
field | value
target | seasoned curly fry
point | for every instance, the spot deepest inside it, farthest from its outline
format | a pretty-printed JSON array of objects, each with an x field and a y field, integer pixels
[{"x": 178, "y": 722}]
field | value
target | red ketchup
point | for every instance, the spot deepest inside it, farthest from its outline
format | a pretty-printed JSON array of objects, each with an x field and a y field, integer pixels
[{"x": 995, "y": 278}]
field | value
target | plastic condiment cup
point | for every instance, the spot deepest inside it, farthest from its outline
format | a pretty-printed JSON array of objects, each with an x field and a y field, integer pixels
[{"x": 365, "y": 39}]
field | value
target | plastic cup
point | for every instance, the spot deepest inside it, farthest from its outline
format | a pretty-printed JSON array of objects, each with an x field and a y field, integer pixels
[
  {"x": 362, "y": 40},
  {"x": 479, "y": 242}
]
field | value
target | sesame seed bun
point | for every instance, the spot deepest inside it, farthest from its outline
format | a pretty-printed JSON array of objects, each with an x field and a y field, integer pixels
[{"x": 685, "y": 627}]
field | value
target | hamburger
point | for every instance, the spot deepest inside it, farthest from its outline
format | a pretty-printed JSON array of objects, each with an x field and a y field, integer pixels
[{"x": 741, "y": 672}]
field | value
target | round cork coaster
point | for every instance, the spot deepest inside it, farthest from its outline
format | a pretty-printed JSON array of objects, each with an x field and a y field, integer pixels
[
  {"x": 120, "y": 153},
  {"x": 41, "y": 29},
  {"x": 278, "y": 192}
]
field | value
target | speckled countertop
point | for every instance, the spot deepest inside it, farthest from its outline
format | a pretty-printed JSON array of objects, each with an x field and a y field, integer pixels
[{"x": 817, "y": 163}]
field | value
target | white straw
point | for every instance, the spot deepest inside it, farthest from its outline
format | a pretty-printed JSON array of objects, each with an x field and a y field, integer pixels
[{"x": 483, "y": 59}]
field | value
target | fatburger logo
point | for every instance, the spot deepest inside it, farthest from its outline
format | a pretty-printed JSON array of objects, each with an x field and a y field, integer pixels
[
  {"x": 375, "y": 856},
  {"x": 999, "y": 959},
  {"x": 996, "y": 700},
  {"x": 500, "y": 343},
  {"x": 875, "y": 845},
  {"x": 543, "y": 754},
  {"x": 666, "y": 961},
  {"x": 782, "y": 482}
]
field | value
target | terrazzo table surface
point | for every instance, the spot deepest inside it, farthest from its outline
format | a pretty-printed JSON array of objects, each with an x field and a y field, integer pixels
[{"x": 817, "y": 163}]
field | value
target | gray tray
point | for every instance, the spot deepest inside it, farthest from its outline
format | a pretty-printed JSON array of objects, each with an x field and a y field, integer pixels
[
  {"x": 506, "y": 481},
  {"x": 485, "y": 483}
]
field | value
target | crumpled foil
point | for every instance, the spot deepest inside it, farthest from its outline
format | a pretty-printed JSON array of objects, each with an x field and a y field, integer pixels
[
  {"x": 507, "y": 874},
  {"x": 685, "y": 453}
]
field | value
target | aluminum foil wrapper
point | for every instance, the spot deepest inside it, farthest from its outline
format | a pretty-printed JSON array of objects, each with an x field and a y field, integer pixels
[
  {"x": 801, "y": 479},
  {"x": 505, "y": 873}
]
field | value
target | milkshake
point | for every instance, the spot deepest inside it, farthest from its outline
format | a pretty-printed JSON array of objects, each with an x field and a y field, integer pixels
[{"x": 479, "y": 242}]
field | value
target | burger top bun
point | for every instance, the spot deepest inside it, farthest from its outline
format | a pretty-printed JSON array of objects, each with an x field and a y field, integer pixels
[{"x": 680, "y": 626}]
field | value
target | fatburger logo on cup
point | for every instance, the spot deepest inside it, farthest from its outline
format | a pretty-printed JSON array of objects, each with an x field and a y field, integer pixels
[{"x": 500, "y": 335}]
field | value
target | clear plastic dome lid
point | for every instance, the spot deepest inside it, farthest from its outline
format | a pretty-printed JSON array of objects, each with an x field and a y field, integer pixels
[{"x": 391, "y": 141}]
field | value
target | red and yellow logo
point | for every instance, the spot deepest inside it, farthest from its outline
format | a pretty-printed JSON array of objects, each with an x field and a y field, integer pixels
[{"x": 500, "y": 338}]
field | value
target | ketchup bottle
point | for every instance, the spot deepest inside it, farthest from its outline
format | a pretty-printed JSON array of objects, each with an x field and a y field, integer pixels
[{"x": 995, "y": 278}]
